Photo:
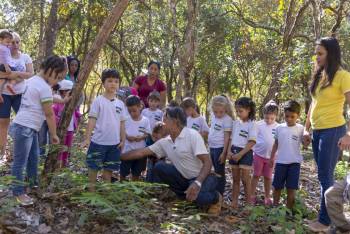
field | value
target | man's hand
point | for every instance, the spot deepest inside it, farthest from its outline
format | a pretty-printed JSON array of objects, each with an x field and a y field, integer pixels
[
  {"x": 121, "y": 145},
  {"x": 192, "y": 192},
  {"x": 271, "y": 162}
]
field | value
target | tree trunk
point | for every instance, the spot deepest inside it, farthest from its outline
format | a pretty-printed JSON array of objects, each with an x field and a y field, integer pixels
[
  {"x": 290, "y": 24},
  {"x": 185, "y": 53},
  {"x": 88, "y": 63}
]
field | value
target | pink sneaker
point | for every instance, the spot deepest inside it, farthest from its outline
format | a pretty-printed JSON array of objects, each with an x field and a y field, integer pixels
[
  {"x": 268, "y": 202},
  {"x": 253, "y": 200}
]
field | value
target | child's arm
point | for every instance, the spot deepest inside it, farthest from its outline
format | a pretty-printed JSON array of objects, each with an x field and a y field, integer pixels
[
  {"x": 273, "y": 153},
  {"x": 246, "y": 149},
  {"x": 51, "y": 123},
  {"x": 122, "y": 135},
  {"x": 90, "y": 126},
  {"x": 223, "y": 155}
]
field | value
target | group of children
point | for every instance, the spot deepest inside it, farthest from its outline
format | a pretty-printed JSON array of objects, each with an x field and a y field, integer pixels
[
  {"x": 246, "y": 144},
  {"x": 116, "y": 125}
]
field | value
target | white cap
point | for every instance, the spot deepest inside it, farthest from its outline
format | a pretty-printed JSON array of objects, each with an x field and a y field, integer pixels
[{"x": 65, "y": 85}]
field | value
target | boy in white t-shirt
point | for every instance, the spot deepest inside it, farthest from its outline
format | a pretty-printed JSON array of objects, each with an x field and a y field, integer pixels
[
  {"x": 288, "y": 139},
  {"x": 153, "y": 113},
  {"x": 107, "y": 120},
  {"x": 137, "y": 128},
  {"x": 262, "y": 151}
]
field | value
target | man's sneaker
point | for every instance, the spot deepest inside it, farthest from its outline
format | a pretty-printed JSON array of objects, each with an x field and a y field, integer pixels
[{"x": 215, "y": 209}]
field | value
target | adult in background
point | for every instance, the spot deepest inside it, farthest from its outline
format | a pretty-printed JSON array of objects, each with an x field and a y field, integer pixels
[
  {"x": 24, "y": 67},
  {"x": 149, "y": 83},
  {"x": 73, "y": 68},
  {"x": 188, "y": 175},
  {"x": 330, "y": 88}
]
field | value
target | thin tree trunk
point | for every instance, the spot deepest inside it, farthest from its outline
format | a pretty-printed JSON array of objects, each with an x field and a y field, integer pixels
[{"x": 88, "y": 63}]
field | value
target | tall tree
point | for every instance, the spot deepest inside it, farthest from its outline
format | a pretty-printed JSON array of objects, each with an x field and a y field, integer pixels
[{"x": 88, "y": 63}]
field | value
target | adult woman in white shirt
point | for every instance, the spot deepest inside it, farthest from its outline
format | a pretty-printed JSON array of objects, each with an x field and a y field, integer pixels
[{"x": 23, "y": 63}]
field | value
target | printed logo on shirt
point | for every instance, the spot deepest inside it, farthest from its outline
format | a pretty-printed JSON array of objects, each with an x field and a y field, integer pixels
[
  {"x": 142, "y": 130},
  {"x": 118, "y": 109},
  {"x": 157, "y": 118},
  {"x": 196, "y": 126},
  {"x": 274, "y": 132},
  {"x": 217, "y": 127},
  {"x": 294, "y": 137},
  {"x": 243, "y": 133}
]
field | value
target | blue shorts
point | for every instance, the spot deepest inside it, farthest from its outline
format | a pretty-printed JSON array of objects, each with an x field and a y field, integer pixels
[
  {"x": 103, "y": 157},
  {"x": 286, "y": 176},
  {"x": 13, "y": 101},
  {"x": 135, "y": 167},
  {"x": 245, "y": 162}
]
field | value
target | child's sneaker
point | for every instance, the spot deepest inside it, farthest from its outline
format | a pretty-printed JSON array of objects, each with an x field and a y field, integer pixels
[
  {"x": 24, "y": 200},
  {"x": 10, "y": 89},
  {"x": 253, "y": 200},
  {"x": 268, "y": 202}
]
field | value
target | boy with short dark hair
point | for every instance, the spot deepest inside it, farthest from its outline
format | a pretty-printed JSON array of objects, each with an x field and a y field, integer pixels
[
  {"x": 288, "y": 139},
  {"x": 107, "y": 118},
  {"x": 153, "y": 113},
  {"x": 137, "y": 128}
]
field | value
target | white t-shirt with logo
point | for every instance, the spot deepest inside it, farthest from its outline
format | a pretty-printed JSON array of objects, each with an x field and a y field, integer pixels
[
  {"x": 217, "y": 129},
  {"x": 183, "y": 153},
  {"x": 289, "y": 142},
  {"x": 153, "y": 116},
  {"x": 31, "y": 113},
  {"x": 136, "y": 128},
  {"x": 265, "y": 138},
  {"x": 242, "y": 132},
  {"x": 20, "y": 65},
  {"x": 199, "y": 124},
  {"x": 108, "y": 114}
]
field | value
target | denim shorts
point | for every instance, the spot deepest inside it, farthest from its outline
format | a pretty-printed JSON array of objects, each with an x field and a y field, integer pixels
[
  {"x": 245, "y": 161},
  {"x": 286, "y": 175},
  {"x": 135, "y": 167},
  {"x": 13, "y": 101},
  {"x": 103, "y": 157}
]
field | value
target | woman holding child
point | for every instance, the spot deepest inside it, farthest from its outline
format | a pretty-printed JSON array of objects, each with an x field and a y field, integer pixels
[
  {"x": 330, "y": 88},
  {"x": 24, "y": 66}
]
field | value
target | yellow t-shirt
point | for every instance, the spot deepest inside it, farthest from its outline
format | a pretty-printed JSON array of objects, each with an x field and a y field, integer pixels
[{"x": 327, "y": 103}]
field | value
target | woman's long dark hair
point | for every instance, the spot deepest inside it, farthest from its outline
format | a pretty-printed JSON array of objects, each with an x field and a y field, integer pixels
[
  {"x": 333, "y": 63},
  {"x": 70, "y": 59}
]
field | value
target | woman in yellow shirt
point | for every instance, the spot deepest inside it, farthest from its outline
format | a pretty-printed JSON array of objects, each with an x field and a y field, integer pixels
[{"x": 330, "y": 88}]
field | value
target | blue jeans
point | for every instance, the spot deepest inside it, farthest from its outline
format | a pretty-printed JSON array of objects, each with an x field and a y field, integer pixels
[
  {"x": 168, "y": 174},
  {"x": 326, "y": 153},
  {"x": 25, "y": 155},
  {"x": 43, "y": 138},
  {"x": 219, "y": 168}
]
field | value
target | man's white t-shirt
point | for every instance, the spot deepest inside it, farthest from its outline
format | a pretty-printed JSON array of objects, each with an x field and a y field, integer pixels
[
  {"x": 199, "y": 124},
  {"x": 242, "y": 132},
  {"x": 20, "y": 65},
  {"x": 289, "y": 142},
  {"x": 136, "y": 128},
  {"x": 183, "y": 153},
  {"x": 153, "y": 116},
  {"x": 108, "y": 114},
  {"x": 217, "y": 130},
  {"x": 31, "y": 113},
  {"x": 265, "y": 139}
]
